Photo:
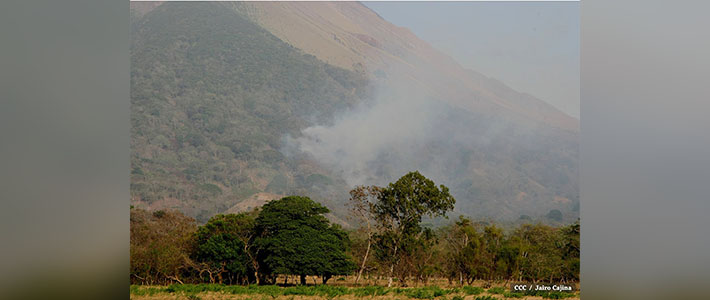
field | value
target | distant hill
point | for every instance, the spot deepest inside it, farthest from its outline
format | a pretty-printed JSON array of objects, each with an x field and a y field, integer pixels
[
  {"x": 349, "y": 35},
  {"x": 236, "y": 103}
]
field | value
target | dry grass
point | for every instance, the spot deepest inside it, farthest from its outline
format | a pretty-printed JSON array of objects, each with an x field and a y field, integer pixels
[
  {"x": 395, "y": 293},
  {"x": 223, "y": 296}
]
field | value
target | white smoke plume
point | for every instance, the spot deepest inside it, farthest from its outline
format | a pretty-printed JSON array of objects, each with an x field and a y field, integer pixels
[{"x": 397, "y": 123}]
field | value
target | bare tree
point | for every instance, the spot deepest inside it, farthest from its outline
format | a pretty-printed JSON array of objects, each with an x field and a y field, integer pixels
[{"x": 362, "y": 201}]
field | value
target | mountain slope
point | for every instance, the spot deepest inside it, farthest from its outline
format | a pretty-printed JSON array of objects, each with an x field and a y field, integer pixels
[
  {"x": 349, "y": 35},
  {"x": 237, "y": 103},
  {"x": 211, "y": 96}
]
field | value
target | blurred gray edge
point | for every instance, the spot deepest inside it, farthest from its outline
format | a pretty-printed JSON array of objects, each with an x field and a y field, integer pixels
[{"x": 64, "y": 149}]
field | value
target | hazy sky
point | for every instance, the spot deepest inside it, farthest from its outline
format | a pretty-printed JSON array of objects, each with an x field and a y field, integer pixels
[{"x": 531, "y": 46}]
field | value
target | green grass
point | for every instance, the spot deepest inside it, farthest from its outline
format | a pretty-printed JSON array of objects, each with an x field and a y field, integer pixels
[
  {"x": 473, "y": 290},
  {"x": 331, "y": 292},
  {"x": 429, "y": 292},
  {"x": 557, "y": 295},
  {"x": 550, "y": 294},
  {"x": 328, "y": 291},
  {"x": 513, "y": 295},
  {"x": 146, "y": 291},
  {"x": 370, "y": 291},
  {"x": 496, "y": 290}
]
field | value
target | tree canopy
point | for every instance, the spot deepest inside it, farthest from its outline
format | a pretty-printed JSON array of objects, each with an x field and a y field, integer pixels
[
  {"x": 399, "y": 211},
  {"x": 223, "y": 244},
  {"x": 294, "y": 237},
  {"x": 413, "y": 196}
]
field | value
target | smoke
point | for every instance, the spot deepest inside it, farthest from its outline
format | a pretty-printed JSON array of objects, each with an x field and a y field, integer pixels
[
  {"x": 495, "y": 165},
  {"x": 395, "y": 125}
]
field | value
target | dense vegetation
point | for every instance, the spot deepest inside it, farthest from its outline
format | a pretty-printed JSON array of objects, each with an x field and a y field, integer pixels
[
  {"x": 291, "y": 236},
  {"x": 213, "y": 95}
]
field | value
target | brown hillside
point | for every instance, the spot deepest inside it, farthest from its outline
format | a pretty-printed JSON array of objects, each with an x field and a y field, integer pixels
[{"x": 350, "y": 35}]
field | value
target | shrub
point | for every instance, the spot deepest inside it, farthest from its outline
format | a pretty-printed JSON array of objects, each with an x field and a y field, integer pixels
[
  {"x": 557, "y": 295},
  {"x": 370, "y": 291},
  {"x": 299, "y": 290},
  {"x": 473, "y": 290},
  {"x": 419, "y": 293},
  {"x": 145, "y": 290},
  {"x": 429, "y": 292},
  {"x": 496, "y": 290},
  {"x": 512, "y": 295}
]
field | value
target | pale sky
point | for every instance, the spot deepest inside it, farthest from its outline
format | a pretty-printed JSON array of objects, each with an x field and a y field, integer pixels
[{"x": 533, "y": 47}]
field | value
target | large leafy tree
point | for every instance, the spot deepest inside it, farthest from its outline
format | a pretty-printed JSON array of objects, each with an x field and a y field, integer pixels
[
  {"x": 224, "y": 245},
  {"x": 399, "y": 213},
  {"x": 294, "y": 237}
]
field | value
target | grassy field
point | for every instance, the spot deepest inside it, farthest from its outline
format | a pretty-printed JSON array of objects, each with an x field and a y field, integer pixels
[{"x": 339, "y": 289}]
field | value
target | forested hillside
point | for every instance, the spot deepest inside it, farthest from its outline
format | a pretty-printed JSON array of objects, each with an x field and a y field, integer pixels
[
  {"x": 226, "y": 115},
  {"x": 212, "y": 95}
]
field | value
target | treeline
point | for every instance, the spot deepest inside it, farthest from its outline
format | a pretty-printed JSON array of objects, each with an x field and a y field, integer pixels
[
  {"x": 287, "y": 236},
  {"x": 292, "y": 236}
]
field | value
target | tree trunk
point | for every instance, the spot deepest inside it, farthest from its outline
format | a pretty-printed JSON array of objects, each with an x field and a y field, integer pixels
[
  {"x": 364, "y": 260},
  {"x": 303, "y": 279},
  {"x": 254, "y": 263},
  {"x": 389, "y": 281}
]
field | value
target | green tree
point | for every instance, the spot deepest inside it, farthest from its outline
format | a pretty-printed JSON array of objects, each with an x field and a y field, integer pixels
[
  {"x": 420, "y": 255},
  {"x": 399, "y": 212},
  {"x": 293, "y": 237},
  {"x": 463, "y": 243},
  {"x": 570, "y": 251},
  {"x": 540, "y": 252},
  {"x": 491, "y": 243},
  {"x": 224, "y": 245}
]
